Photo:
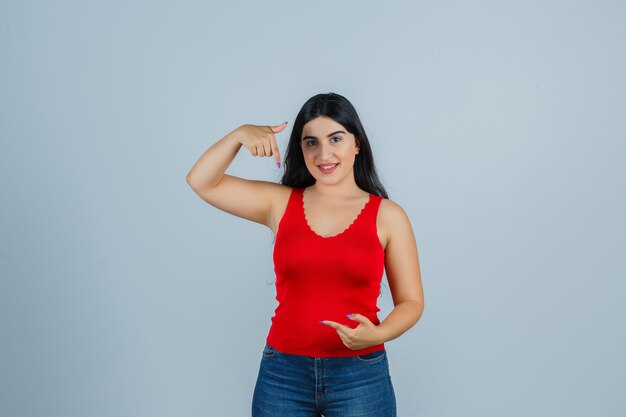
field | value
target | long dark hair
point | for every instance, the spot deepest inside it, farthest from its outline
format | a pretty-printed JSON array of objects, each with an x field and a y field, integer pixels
[{"x": 338, "y": 108}]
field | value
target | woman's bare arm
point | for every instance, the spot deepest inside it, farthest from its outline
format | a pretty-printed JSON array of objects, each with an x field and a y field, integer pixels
[
  {"x": 403, "y": 273},
  {"x": 249, "y": 199}
]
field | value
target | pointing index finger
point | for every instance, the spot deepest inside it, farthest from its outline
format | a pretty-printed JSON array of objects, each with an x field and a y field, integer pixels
[
  {"x": 275, "y": 150},
  {"x": 332, "y": 324}
]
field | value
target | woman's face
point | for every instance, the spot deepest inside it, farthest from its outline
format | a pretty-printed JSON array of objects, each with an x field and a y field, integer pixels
[{"x": 325, "y": 142}]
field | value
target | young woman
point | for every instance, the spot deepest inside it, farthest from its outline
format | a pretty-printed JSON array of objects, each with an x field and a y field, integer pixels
[{"x": 335, "y": 232}]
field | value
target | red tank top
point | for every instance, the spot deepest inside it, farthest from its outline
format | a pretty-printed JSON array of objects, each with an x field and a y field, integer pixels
[{"x": 324, "y": 278}]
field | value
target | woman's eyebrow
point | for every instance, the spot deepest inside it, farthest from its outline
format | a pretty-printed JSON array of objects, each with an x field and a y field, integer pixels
[{"x": 329, "y": 135}]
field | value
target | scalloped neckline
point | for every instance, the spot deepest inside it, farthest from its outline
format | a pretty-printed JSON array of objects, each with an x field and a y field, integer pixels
[{"x": 308, "y": 226}]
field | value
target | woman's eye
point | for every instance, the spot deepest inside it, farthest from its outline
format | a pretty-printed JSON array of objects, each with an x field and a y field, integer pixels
[{"x": 313, "y": 142}]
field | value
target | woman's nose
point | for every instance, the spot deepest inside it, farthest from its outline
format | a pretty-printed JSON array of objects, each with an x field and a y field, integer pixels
[{"x": 326, "y": 152}]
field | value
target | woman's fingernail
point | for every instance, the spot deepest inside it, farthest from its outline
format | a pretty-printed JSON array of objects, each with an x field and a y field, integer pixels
[
  {"x": 348, "y": 315},
  {"x": 321, "y": 322},
  {"x": 278, "y": 164}
]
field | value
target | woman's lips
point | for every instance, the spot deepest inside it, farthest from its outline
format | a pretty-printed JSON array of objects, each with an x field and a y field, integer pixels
[{"x": 328, "y": 171}]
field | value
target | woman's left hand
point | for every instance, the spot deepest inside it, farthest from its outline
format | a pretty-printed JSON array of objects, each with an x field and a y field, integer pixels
[{"x": 366, "y": 334}]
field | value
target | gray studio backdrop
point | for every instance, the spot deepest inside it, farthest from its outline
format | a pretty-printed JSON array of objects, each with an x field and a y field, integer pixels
[{"x": 497, "y": 126}]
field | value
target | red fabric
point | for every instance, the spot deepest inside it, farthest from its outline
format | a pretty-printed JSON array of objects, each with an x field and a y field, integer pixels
[{"x": 321, "y": 278}]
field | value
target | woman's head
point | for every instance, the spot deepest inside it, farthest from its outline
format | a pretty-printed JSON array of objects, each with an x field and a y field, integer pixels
[{"x": 327, "y": 130}]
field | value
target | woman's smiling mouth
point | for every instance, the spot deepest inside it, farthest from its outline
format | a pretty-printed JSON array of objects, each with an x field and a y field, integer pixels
[{"x": 328, "y": 168}]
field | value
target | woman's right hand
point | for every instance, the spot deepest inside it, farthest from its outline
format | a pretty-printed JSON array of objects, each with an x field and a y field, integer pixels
[{"x": 260, "y": 140}]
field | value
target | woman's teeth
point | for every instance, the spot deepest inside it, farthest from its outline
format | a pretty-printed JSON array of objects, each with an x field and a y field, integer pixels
[{"x": 328, "y": 169}]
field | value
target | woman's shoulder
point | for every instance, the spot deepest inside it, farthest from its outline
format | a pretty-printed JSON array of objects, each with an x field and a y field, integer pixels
[
  {"x": 279, "y": 199},
  {"x": 390, "y": 207},
  {"x": 392, "y": 218},
  {"x": 280, "y": 193}
]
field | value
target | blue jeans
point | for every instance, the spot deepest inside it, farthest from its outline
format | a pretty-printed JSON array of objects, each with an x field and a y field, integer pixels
[{"x": 291, "y": 385}]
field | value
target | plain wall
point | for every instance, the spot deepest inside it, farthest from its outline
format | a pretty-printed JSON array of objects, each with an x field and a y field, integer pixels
[{"x": 497, "y": 126}]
